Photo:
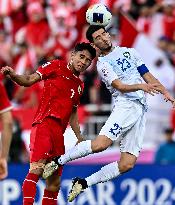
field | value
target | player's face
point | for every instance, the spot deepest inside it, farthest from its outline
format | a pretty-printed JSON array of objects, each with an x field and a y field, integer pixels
[
  {"x": 81, "y": 60},
  {"x": 102, "y": 40}
]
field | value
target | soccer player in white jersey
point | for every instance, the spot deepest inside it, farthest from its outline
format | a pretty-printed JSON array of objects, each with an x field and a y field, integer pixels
[{"x": 122, "y": 70}]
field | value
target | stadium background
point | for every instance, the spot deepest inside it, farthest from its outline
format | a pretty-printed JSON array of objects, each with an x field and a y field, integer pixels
[{"x": 35, "y": 31}]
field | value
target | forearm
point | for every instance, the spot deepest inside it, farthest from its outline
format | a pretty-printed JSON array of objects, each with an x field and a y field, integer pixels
[
  {"x": 163, "y": 90},
  {"x": 130, "y": 88},
  {"x": 149, "y": 78},
  {"x": 23, "y": 80},
  {"x": 75, "y": 127},
  {"x": 125, "y": 88},
  {"x": 74, "y": 123}
]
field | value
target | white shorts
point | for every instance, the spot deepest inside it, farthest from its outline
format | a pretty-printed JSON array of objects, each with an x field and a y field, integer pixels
[{"x": 126, "y": 124}]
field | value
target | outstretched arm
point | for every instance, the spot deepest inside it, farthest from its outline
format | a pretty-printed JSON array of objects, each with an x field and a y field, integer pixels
[
  {"x": 75, "y": 124},
  {"x": 23, "y": 80},
  {"x": 149, "y": 78}
]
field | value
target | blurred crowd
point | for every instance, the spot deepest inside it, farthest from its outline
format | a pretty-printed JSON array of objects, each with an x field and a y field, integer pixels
[{"x": 35, "y": 31}]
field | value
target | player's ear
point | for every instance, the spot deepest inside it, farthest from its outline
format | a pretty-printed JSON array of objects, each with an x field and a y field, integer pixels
[
  {"x": 72, "y": 53},
  {"x": 93, "y": 45}
]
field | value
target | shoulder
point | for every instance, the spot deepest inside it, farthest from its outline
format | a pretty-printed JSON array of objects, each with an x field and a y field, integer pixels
[
  {"x": 127, "y": 50},
  {"x": 54, "y": 63},
  {"x": 102, "y": 65},
  {"x": 123, "y": 48},
  {"x": 163, "y": 146}
]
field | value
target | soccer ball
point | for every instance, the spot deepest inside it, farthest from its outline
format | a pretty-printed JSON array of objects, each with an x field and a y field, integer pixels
[{"x": 98, "y": 14}]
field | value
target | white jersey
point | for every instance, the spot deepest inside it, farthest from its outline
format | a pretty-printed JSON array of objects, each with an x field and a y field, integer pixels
[{"x": 122, "y": 64}]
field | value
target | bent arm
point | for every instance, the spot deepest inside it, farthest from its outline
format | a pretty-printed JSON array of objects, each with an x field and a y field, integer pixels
[
  {"x": 125, "y": 88},
  {"x": 23, "y": 80}
]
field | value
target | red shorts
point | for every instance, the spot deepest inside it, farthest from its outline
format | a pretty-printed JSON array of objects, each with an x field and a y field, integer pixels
[
  {"x": 46, "y": 140},
  {"x": 4, "y": 101}
]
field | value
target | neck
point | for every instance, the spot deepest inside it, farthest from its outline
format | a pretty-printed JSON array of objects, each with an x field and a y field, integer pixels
[
  {"x": 73, "y": 69},
  {"x": 106, "y": 52}
]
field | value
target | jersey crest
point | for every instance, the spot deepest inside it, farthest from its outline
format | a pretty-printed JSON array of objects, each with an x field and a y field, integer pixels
[
  {"x": 79, "y": 89},
  {"x": 46, "y": 64},
  {"x": 127, "y": 55}
]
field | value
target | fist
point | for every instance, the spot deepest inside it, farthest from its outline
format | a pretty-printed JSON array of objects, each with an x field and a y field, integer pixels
[{"x": 7, "y": 70}]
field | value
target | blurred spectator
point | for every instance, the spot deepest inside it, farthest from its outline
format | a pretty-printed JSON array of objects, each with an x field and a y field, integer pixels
[
  {"x": 144, "y": 19},
  {"x": 136, "y": 5},
  {"x": 36, "y": 32},
  {"x": 163, "y": 43},
  {"x": 5, "y": 48},
  {"x": 17, "y": 19},
  {"x": 169, "y": 19},
  {"x": 25, "y": 58},
  {"x": 166, "y": 152},
  {"x": 27, "y": 97},
  {"x": 62, "y": 21}
]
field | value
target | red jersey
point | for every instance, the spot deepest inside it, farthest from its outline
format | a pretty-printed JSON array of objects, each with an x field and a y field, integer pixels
[
  {"x": 4, "y": 101},
  {"x": 62, "y": 90},
  {"x": 169, "y": 26}
]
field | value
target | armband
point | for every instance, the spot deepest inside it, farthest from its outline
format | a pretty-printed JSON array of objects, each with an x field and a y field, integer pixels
[{"x": 142, "y": 69}]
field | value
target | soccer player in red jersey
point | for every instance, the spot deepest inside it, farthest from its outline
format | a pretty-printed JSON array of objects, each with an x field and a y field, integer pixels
[
  {"x": 58, "y": 106},
  {"x": 6, "y": 132}
]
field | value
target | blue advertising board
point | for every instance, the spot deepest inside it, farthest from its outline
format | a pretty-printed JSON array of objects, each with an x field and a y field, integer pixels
[{"x": 144, "y": 185}]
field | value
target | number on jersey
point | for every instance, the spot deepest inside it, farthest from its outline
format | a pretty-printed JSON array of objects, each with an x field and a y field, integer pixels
[
  {"x": 123, "y": 63},
  {"x": 46, "y": 64}
]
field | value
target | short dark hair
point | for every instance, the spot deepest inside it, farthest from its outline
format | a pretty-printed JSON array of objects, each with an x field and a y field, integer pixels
[
  {"x": 168, "y": 130},
  {"x": 85, "y": 46},
  {"x": 91, "y": 30}
]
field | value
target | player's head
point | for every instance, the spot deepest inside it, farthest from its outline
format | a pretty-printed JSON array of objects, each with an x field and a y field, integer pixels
[
  {"x": 82, "y": 56},
  {"x": 99, "y": 37}
]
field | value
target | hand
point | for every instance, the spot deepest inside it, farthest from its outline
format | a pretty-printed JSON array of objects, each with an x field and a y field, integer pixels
[
  {"x": 3, "y": 168},
  {"x": 79, "y": 139},
  {"x": 7, "y": 70},
  {"x": 152, "y": 89},
  {"x": 168, "y": 97}
]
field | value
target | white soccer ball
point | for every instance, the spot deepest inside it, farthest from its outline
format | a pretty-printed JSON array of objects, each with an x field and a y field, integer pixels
[{"x": 98, "y": 14}]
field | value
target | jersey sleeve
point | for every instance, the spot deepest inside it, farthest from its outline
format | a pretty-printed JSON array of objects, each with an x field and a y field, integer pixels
[
  {"x": 46, "y": 70},
  {"x": 141, "y": 67},
  {"x": 137, "y": 57},
  {"x": 106, "y": 72}
]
